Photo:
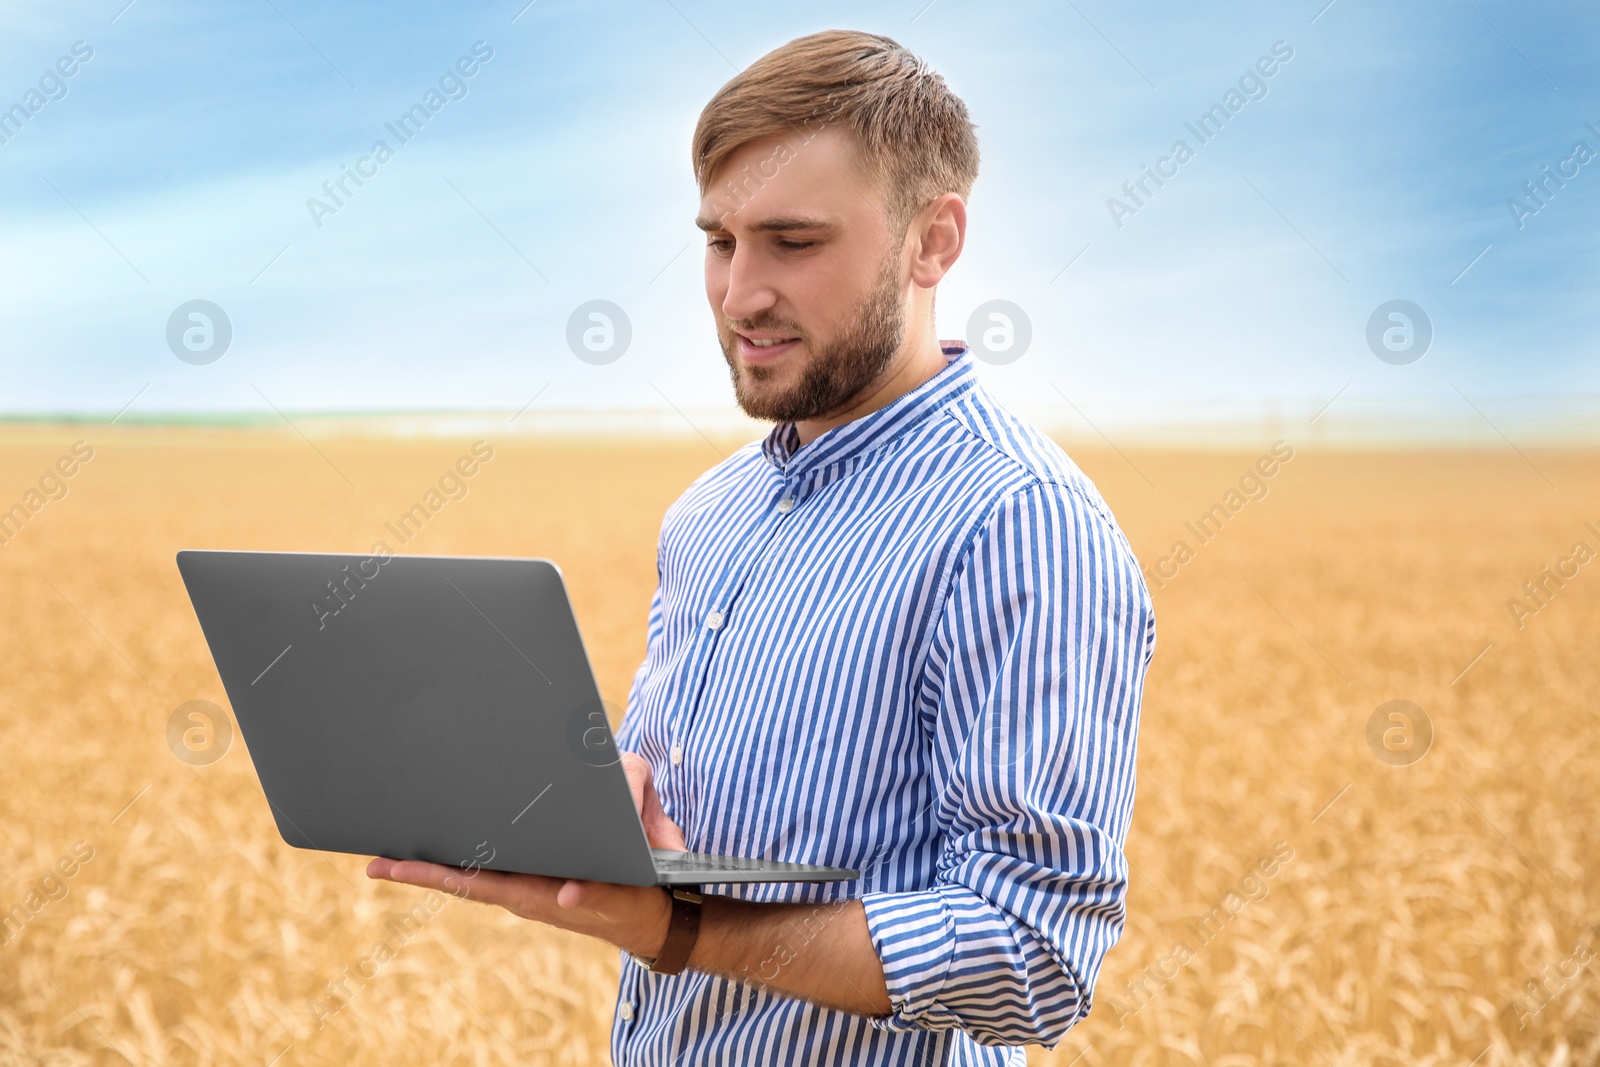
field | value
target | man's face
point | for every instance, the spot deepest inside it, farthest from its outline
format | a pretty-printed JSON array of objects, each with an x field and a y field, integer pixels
[{"x": 803, "y": 274}]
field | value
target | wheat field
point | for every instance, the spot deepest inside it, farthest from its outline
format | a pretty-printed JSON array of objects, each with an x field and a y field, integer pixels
[{"x": 1308, "y": 888}]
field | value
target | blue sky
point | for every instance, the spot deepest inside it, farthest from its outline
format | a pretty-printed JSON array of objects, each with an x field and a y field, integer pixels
[{"x": 1377, "y": 166}]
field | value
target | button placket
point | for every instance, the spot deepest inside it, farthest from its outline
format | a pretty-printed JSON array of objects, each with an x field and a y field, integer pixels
[{"x": 719, "y": 609}]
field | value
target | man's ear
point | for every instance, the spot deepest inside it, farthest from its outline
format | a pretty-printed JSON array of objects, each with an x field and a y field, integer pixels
[{"x": 937, "y": 235}]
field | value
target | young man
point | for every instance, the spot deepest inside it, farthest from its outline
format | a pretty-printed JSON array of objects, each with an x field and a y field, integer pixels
[{"x": 902, "y": 633}]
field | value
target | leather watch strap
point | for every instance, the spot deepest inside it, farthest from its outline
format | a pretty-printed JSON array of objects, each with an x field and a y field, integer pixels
[{"x": 683, "y": 929}]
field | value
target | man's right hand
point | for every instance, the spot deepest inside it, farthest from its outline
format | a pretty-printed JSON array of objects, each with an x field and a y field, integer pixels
[{"x": 661, "y": 831}]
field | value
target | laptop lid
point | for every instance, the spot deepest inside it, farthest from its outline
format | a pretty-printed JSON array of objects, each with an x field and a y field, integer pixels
[{"x": 421, "y": 707}]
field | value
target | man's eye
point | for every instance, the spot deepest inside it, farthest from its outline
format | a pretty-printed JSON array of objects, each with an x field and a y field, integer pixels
[
  {"x": 795, "y": 246},
  {"x": 720, "y": 244}
]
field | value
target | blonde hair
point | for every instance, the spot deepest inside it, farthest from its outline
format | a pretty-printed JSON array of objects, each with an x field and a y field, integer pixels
[{"x": 910, "y": 132}]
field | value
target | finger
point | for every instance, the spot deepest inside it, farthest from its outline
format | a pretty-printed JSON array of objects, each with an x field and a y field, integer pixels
[
  {"x": 640, "y": 779},
  {"x": 659, "y": 829},
  {"x": 528, "y": 895},
  {"x": 419, "y": 873}
]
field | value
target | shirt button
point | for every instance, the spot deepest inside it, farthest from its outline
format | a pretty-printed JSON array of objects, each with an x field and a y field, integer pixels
[
  {"x": 714, "y": 620},
  {"x": 677, "y": 755},
  {"x": 786, "y": 505},
  {"x": 626, "y": 1011}
]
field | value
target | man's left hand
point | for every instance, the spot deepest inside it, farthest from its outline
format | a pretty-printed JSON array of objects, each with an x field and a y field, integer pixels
[{"x": 631, "y": 917}]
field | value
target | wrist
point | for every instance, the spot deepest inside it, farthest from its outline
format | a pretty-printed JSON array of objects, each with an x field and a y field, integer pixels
[
  {"x": 648, "y": 943},
  {"x": 682, "y": 931}
]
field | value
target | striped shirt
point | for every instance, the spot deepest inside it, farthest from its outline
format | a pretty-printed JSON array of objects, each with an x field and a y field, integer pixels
[{"x": 916, "y": 647}]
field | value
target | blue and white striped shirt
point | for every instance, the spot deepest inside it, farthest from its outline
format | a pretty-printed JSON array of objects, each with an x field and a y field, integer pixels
[{"x": 915, "y": 646}]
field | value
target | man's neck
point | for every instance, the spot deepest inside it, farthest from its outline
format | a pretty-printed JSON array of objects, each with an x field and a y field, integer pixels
[{"x": 911, "y": 368}]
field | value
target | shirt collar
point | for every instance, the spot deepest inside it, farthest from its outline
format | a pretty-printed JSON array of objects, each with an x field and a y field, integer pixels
[{"x": 876, "y": 428}]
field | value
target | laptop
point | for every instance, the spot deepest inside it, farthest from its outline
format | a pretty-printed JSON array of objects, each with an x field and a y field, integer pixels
[{"x": 435, "y": 708}]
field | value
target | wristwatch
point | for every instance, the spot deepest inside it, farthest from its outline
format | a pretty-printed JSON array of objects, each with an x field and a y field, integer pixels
[{"x": 683, "y": 929}]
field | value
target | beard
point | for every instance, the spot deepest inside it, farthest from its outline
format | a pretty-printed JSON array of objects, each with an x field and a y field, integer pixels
[{"x": 839, "y": 370}]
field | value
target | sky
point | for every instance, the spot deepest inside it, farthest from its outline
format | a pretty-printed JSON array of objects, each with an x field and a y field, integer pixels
[{"x": 181, "y": 159}]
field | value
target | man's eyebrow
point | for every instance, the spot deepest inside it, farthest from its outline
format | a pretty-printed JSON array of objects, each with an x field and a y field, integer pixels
[
  {"x": 793, "y": 222},
  {"x": 774, "y": 224}
]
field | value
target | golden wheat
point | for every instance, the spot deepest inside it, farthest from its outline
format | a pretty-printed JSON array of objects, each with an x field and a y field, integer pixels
[{"x": 1296, "y": 900}]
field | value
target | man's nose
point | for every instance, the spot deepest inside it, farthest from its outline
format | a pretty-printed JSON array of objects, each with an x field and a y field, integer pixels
[{"x": 749, "y": 290}]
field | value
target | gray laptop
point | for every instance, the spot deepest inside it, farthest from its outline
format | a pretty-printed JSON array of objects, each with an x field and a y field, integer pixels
[{"x": 436, "y": 708}]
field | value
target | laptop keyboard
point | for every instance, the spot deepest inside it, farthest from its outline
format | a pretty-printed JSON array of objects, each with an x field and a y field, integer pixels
[{"x": 666, "y": 860}]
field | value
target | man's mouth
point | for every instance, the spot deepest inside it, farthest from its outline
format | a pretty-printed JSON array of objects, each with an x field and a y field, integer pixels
[{"x": 761, "y": 348}]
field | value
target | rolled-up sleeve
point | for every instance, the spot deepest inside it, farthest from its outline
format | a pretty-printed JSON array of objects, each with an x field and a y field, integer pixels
[{"x": 1031, "y": 706}]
